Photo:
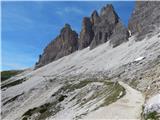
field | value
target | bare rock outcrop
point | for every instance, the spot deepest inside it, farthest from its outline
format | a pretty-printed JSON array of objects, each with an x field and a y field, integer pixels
[
  {"x": 64, "y": 44},
  {"x": 145, "y": 18},
  {"x": 96, "y": 30},
  {"x": 86, "y": 34},
  {"x": 108, "y": 28}
]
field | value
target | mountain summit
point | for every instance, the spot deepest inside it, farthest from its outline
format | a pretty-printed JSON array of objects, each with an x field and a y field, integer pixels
[
  {"x": 96, "y": 30},
  {"x": 108, "y": 28},
  {"x": 64, "y": 44}
]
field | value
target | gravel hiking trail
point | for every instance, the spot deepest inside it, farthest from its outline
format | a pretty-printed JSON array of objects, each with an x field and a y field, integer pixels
[{"x": 128, "y": 107}]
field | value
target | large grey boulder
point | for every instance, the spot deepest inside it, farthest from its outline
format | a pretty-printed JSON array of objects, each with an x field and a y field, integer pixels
[
  {"x": 108, "y": 28},
  {"x": 145, "y": 18},
  {"x": 64, "y": 44}
]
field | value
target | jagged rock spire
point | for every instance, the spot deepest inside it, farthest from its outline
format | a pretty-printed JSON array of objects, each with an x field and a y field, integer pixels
[
  {"x": 108, "y": 13},
  {"x": 64, "y": 44},
  {"x": 86, "y": 34},
  {"x": 108, "y": 27},
  {"x": 94, "y": 18}
]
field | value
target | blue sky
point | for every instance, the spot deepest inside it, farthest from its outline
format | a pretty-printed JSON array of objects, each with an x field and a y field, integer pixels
[{"x": 27, "y": 27}]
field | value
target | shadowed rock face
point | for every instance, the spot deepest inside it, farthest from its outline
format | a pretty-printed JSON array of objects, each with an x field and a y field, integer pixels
[
  {"x": 64, "y": 44},
  {"x": 95, "y": 19},
  {"x": 86, "y": 34},
  {"x": 120, "y": 35},
  {"x": 145, "y": 18},
  {"x": 108, "y": 28},
  {"x": 102, "y": 28}
]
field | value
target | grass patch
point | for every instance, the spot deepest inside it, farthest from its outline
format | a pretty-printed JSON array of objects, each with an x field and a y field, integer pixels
[
  {"x": 12, "y": 99},
  {"x": 46, "y": 110},
  {"x": 72, "y": 87},
  {"x": 13, "y": 83},
  {"x": 152, "y": 116},
  {"x": 41, "y": 109},
  {"x": 110, "y": 93},
  {"x": 116, "y": 90},
  {"x": 8, "y": 74},
  {"x": 134, "y": 83},
  {"x": 61, "y": 98}
]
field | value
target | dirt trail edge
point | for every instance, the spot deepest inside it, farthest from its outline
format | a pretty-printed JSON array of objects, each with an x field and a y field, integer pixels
[{"x": 128, "y": 107}]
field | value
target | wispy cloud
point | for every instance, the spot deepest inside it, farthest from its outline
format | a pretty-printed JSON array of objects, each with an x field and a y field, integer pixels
[{"x": 68, "y": 10}]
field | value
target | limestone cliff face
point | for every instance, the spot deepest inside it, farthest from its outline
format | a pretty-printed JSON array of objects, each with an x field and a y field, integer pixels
[
  {"x": 102, "y": 28},
  {"x": 64, "y": 44},
  {"x": 86, "y": 34},
  {"x": 108, "y": 28},
  {"x": 145, "y": 18}
]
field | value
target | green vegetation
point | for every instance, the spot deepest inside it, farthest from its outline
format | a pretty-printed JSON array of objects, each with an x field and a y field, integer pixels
[
  {"x": 152, "y": 116},
  {"x": 44, "y": 111},
  {"x": 8, "y": 74},
  {"x": 61, "y": 98},
  {"x": 12, "y": 99},
  {"x": 13, "y": 83},
  {"x": 109, "y": 91},
  {"x": 72, "y": 87},
  {"x": 134, "y": 83},
  {"x": 114, "y": 95},
  {"x": 114, "y": 88}
]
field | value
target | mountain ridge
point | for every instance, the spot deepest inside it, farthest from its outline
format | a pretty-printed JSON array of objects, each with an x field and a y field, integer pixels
[{"x": 96, "y": 29}]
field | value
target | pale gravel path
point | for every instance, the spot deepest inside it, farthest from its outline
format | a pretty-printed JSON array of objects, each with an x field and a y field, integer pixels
[{"x": 128, "y": 107}]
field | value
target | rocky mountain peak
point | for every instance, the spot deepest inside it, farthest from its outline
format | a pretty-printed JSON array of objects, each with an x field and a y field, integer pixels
[
  {"x": 94, "y": 17},
  {"x": 109, "y": 26},
  {"x": 64, "y": 44},
  {"x": 67, "y": 26},
  {"x": 86, "y": 34},
  {"x": 86, "y": 24},
  {"x": 145, "y": 18},
  {"x": 108, "y": 13}
]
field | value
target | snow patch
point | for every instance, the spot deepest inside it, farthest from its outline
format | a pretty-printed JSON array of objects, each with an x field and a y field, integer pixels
[
  {"x": 139, "y": 59},
  {"x": 153, "y": 104}
]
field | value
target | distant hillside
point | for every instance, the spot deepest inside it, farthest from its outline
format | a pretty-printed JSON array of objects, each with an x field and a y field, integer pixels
[{"x": 9, "y": 73}]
